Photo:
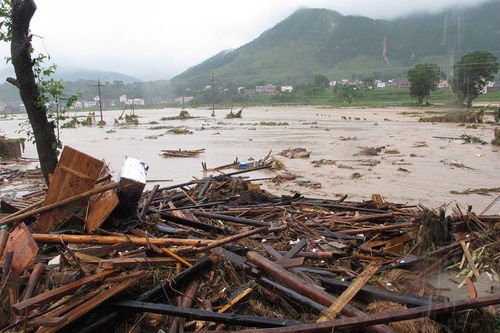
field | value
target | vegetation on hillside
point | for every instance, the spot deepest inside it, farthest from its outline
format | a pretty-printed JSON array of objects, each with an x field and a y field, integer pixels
[{"x": 313, "y": 41}]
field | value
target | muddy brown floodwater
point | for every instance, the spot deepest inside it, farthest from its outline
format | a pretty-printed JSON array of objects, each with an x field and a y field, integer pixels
[{"x": 413, "y": 168}]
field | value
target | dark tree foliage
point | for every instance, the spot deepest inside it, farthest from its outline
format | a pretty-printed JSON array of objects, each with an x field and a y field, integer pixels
[
  {"x": 471, "y": 74},
  {"x": 321, "y": 81},
  {"x": 424, "y": 78},
  {"x": 368, "y": 83}
]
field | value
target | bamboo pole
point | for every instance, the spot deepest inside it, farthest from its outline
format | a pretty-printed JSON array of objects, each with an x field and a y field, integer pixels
[
  {"x": 96, "y": 239},
  {"x": 59, "y": 203},
  {"x": 25, "y": 209},
  {"x": 377, "y": 228},
  {"x": 230, "y": 239}
]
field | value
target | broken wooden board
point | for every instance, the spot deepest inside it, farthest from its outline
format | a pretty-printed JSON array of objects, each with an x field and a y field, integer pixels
[
  {"x": 75, "y": 173},
  {"x": 48, "y": 296},
  {"x": 127, "y": 263},
  {"x": 81, "y": 310},
  {"x": 24, "y": 247},
  {"x": 101, "y": 206},
  {"x": 348, "y": 294}
]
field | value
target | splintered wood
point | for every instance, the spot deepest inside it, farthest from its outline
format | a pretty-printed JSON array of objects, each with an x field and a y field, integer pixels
[
  {"x": 75, "y": 173},
  {"x": 220, "y": 253}
]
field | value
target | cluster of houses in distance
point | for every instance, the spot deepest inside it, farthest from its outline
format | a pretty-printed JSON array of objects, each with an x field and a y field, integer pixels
[
  {"x": 393, "y": 83},
  {"x": 123, "y": 100},
  {"x": 268, "y": 89}
]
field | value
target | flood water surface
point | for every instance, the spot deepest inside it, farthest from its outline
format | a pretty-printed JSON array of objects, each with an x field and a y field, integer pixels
[{"x": 411, "y": 166}]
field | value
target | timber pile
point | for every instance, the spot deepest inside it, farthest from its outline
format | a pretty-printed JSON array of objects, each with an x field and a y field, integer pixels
[{"x": 221, "y": 254}]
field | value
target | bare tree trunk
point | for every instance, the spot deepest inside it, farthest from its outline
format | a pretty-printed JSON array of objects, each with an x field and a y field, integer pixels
[{"x": 43, "y": 130}]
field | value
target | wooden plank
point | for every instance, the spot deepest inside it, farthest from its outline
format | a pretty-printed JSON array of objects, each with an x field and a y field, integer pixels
[
  {"x": 386, "y": 317},
  {"x": 102, "y": 205},
  {"x": 47, "y": 322},
  {"x": 81, "y": 310},
  {"x": 24, "y": 247},
  {"x": 289, "y": 263},
  {"x": 296, "y": 249},
  {"x": 83, "y": 175},
  {"x": 95, "y": 239},
  {"x": 239, "y": 295},
  {"x": 233, "y": 238},
  {"x": 472, "y": 288},
  {"x": 350, "y": 292},
  {"x": 470, "y": 260},
  {"x": 145, "y": 207},
  {"x": 57, "y": 204},
  {"x": 33, "y": 280},
  {"x": 312, "y": 291},
  {"x": 46, "y": 297},
  {"x": 230, "y": 318},
  {"x": 124, "y": 263}
]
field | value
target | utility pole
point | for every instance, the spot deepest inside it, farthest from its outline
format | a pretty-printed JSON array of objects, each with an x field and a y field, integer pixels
[
  {"x": 213, "y": 95},
  {"x": 99, "y": 85}
]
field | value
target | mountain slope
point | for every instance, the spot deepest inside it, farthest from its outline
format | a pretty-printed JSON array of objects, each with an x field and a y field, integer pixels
[{"x": 314, "y": 41}]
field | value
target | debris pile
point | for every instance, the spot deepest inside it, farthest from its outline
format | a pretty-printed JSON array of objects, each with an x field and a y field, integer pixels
[{"x": 218, "y": 253}]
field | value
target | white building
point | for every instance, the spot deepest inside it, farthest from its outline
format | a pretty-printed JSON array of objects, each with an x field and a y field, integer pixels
[
  {"x": 89, "y": 104},
  {"x": 123, "y": 98},
  {"x": 287, "y": 89},
  {"x": 380, "y": 84},
  {"x": 135, "y": 101},
  {"x": 443, "y": 84}
]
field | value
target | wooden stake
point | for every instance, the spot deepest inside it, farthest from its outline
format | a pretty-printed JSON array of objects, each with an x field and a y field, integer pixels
[
  {"x": 470, "y": 260},
  {"x": 95, "y": 239},
  {"x": 59, "y": 203},
  {"x": 350, "y": 292}
]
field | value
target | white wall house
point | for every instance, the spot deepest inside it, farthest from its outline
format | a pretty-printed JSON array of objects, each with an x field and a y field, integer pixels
[
  {"x": 89, "y": 104},
  {"x": 135, "y": 101},
  {"x": 287, "y": 89}
]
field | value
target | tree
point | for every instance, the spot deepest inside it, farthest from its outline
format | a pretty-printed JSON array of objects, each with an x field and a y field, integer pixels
[
  {"x": 15, "y": 17},
  {"x": 321, "y": 81},
  {"x": 348, "y": 93},
  {"x": 471, "y": 73},
  {"x": 368, "y": 83},
  {"x": 424, "y": 78}
]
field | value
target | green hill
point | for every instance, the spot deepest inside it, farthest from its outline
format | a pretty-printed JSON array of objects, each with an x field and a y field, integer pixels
[{"x": 312, "y": 41}]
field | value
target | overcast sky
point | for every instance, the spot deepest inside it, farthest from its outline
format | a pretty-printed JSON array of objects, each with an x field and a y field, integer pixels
[{"x": 158, "y": 39}]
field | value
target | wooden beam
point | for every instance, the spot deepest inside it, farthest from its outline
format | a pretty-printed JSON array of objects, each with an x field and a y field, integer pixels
[
  {"x": 230, "y": 318},
  {"x": 95, "y": 239},
  {"x": 75, "y": 173},
  {"x": 470, "y": 260},
  {"x": 81, "y": 310},
  {"x": 350, "y": 292},
  {"x": 307, "y": 289},
  {"x": 26, "y": 305},
  {"x": 60, "y": 203},
  {"x": 386, "y": 317},
  {"x": 231, "y": 239},
  {"x": 123, "y": 263}
]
